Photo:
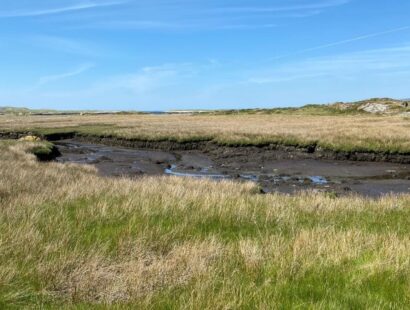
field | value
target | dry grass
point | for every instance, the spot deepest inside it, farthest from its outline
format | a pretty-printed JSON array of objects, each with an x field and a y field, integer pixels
[
  {"x": 69, "y": 238},
  {"x": 368, "y": 133}
]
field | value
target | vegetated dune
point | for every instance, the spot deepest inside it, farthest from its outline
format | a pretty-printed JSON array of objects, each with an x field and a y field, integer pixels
[
  {"x": 71, "y": 239},
  {"x": 379, "y": 106}
]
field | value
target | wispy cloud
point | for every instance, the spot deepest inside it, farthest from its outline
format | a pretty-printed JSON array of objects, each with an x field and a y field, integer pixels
[
  {"x": 380, "y": 62},
  {"x": 194, "y": 15},
  {"x": 133, "y": 25},
  {"x": 162, "y": 25},
  {"x": 44, "y": 80},
  {"x": 343, "y": 42},
  {"x": 245, "y": 26},
  {"x": 141, "y": 85},
  {"x": 148, "y": 79},
  {"x": 62, "y": 44},
  {"x": 52, "y": 78},
  {"x": 273, "y": 9},
  {"x": 59, "y": 10}
]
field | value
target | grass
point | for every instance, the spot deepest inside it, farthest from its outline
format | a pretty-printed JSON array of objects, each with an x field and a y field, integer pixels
[
  {"x": 349, "y": 133},
  {"x": 42, "y": 149},
  {"x": 310, "y": 109},
  {"x": 338, "y": 108},
  {"x": 70, "y": 239}
]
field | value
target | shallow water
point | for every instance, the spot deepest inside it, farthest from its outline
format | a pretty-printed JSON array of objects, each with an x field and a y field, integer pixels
[
  {"x": 282, "y": 175},
  {"x": 203, "y": 174}
]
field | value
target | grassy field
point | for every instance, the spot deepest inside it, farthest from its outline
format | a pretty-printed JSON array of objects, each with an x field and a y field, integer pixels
[
  {"x": 72, "y": 240},
  {"x": 365, "y": 133}
]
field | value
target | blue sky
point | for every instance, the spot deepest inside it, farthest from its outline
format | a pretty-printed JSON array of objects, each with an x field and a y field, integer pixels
[{"x": 201, "y": 54}]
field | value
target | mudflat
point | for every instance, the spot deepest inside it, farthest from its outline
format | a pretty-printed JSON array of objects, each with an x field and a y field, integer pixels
[{"x": 273, "y": 170}]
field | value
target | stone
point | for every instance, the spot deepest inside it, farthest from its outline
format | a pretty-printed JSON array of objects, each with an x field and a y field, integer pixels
[{"x": 30, "y": 139}]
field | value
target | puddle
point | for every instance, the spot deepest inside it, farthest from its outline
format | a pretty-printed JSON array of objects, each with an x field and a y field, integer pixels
[
  {"x": 249, "y": 177},
  {"x": 203, "y": 174},
  {"x": 318, "y": 180},
  {"x": 272, "y": 174}
]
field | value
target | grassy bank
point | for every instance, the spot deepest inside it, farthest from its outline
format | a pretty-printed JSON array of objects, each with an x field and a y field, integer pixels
[
  {"x": 43, "y": 150},
  {"x": 381, "y": 134},
  {"x": 70, "y": 239}
]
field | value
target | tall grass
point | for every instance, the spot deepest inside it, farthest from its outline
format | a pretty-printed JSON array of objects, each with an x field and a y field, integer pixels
[
  {"x": 71, "y": 239},
  {"x": 390, "y": 134}
]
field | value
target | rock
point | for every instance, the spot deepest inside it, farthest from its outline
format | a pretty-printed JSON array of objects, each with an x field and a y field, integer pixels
[
  {"x": 372, "y": 107},
  {"x": 30, "y": 139}
]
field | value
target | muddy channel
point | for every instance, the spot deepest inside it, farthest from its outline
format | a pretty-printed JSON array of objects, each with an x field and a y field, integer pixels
[{"x": 273, "y": 171}]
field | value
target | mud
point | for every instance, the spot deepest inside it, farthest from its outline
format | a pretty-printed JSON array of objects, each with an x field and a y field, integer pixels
[
  {"x": 275, "y": 170},
  {"x": 274, "y": 151}
]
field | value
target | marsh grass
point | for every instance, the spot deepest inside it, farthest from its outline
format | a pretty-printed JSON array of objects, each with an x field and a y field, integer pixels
[
  {"x": 70, "y": 239},
  {"x": 357, "y": 133}
]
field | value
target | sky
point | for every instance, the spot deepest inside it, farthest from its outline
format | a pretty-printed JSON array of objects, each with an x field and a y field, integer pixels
[{"x": 152, "y": 55}]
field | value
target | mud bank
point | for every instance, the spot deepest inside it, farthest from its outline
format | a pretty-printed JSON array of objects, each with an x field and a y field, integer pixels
[
  {"x": 47, "y": 155},
  {"x": 272, "y": 169},
  {"x": 275, "y": 151}
]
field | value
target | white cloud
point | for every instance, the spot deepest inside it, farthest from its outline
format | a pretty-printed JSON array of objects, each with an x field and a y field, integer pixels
[
  {"x": 162, "y": 25},
  {"x": 58, "y": 10},
  {"x": 149, "y": 79},
  {"x": 143, "y": 83},
  {"x": 44, "y": 80},
  {"x": 347, "y": 41},
  {"x": 56, "y": 77},
  {"x": 193, "y": 15},
  {"x": 62, "y": 44},
  {"x": 272, "y": 9},
  {"x": 355, "y": 65}
]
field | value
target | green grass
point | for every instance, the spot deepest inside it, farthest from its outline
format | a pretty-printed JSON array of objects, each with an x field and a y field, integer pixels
[
  {"x": 339, "y": 131},
  {"x": 311, "y": 109},
  {"x": 352, "y": 108},
  {"x": 72, "y": 240},
  {"x": 27, "y": 112},
  {"x": 328, "y": 285},
  {"x": 43, "y": 150},
  {"x": 345, "y": 144}
]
